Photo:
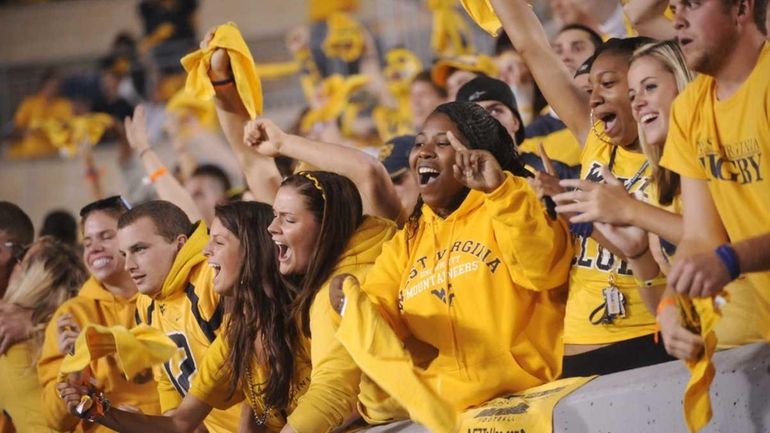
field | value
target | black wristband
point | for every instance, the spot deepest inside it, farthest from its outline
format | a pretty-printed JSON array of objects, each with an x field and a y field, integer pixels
[{"x": 222, "y": 82}]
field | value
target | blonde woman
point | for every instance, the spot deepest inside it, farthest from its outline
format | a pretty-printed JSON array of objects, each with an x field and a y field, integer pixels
[
  {"x": 49, "y": 274},
  {"x": 657, "y": 74}
]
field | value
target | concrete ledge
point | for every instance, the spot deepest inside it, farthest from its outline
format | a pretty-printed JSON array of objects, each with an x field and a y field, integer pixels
[{"x": 650, "y": 399}]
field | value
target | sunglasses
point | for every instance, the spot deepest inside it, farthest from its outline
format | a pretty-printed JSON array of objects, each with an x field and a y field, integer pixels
[
  {"x": 115, "y": 202},
  {"x": 18, "y": 251}
]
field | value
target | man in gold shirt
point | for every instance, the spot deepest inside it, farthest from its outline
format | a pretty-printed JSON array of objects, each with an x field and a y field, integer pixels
[
  {"x": 163, "y": 251},
  {"x": 108, "y": 298},
  {"x": 719, "y": 141}
]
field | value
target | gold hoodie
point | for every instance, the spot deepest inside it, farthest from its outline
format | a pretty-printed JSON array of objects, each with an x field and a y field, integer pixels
[
  {"x": 476, "y": 287},
  {"x": 334, "y": 380},
  {"x": 93, "y": 305},
  {"x": 190, "y": 313}
]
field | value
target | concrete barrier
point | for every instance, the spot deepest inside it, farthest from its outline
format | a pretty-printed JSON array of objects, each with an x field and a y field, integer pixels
[{"x": 649, "y": 399}]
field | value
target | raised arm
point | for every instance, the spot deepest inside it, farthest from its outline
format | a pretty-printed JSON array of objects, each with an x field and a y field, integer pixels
[
  {"x": 166, "y": 185},
  {"x": 261, "y": 174},
  {"x": 648, "y": 18},
  {"x": 528, "y": 37},
  {"x": 367, "y": 173}
]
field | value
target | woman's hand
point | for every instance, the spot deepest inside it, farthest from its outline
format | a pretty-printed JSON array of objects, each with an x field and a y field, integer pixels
[
  {"x": 68, "y": 331},
  {"x": 264, "y": 137},
  {"x": 679, "y": 342},
  {"x": 71, "y": 394},
  {"x": 220, "y": 60},
  {"x": 476, "y": 169},
  {"x": 607, "y": 202},
  {"x": 136, "y": 130}
]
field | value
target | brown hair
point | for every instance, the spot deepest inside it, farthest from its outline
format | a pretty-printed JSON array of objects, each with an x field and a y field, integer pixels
[
  {"x": 170, "y": 221},
  {"x": 336, "y": 205},
  {"x": 260, "y": 308}
]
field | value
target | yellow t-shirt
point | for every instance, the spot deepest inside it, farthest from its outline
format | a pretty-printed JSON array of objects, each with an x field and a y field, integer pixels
[
  {"x": 559, "y": 145},
  {"x": 212, "y": 384},
  {"x": 31, "y": 115},
  {"x": 727, "y": 143},
  {"x": 739, "y": 322},
  {"x": 593, "y": 265},
  {"x": 20, "y": 392},
  {"x": 191, "y": 314}
]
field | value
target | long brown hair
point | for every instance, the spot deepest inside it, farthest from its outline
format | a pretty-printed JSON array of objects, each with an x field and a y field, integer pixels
[
  {"x": 260, "y": 308},
  {"x": 336, "y": 205}
]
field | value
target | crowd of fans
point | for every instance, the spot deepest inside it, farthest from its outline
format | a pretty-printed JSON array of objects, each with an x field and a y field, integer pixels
[{"x": 420, "y": 242}]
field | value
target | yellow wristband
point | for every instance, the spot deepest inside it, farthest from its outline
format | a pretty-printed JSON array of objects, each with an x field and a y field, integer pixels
[{"x": 658, "y": 280}]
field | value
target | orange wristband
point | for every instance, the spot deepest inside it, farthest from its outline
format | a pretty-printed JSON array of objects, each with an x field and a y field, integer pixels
[
  {"x": 665, "y": 302},
  {"x": 155, "y": 175}
]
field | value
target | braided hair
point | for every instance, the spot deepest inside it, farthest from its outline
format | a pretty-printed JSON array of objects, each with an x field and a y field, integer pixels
[{"x": 481, "y": 131}]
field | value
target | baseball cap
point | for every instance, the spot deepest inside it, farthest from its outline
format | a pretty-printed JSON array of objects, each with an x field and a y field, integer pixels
[
  {"x": 394, "y": 154},
  {"x": 480, "y": 63},
  {"x": 490, "y": 89}
]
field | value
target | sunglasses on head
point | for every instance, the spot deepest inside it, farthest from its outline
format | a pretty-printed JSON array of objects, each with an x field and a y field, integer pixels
[{"x": 115, "y": 202}]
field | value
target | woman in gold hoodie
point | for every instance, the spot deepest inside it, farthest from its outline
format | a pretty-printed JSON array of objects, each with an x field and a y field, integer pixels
[
  {"x": 472, "y": 274},
  {"x": 318, "y": 231}
]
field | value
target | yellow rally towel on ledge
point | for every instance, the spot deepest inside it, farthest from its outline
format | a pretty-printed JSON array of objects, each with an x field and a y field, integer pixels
[
  {"x": 482, "y": 13},
  {"x": 699, "y": 316},
  {"x": 198, "y": 63},
  {"x": 529, "y": 411},
  {"x": 137, "y": 349}
]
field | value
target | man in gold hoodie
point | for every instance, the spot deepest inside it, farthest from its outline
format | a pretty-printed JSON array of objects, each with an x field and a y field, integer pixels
[
  {"x": 108, "y": 298},
  {"x": 163, "y": 251}
]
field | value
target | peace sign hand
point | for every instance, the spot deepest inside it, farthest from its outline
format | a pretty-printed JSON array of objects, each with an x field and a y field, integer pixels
[{"x": 474, "y": 168}]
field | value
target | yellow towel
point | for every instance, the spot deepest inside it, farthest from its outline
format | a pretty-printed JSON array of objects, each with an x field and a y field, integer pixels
[
  {"x": 198, "y": 63},
  {"x": 699, "y": 316},
  {"x": 482, "y": 13},
  {"x": 68, "y": 135},
  {"x": 345, "y": 38},
  {"x": 321, "y": 9},
  {"x": 401, "y": 66},
  {"x": 451, "y": 35},
  {"x": 530, "y": 411},
  {"x": 184, "y": 103},
  {"x": 275, "y": 70},
  {"x": 335, "y": 92},
  {"x": 137, "y": 349},
  {"x": 387, "y": 357}
]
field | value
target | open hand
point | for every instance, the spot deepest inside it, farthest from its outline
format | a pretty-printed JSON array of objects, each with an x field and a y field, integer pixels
[
  {"x": 136, "y": 130},
  {"x": 607, "y": 202}
]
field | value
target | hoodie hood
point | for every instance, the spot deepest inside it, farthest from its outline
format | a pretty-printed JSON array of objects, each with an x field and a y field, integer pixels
[
  {"x": 93, "y": 289},
  {"x": 187, "y": 260},
  {"x": 366, "y": 243}
]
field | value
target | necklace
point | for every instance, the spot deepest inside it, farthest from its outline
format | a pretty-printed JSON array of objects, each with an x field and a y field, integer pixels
[
  {"x": 259, "y": 419},
  {"x": 639, "y": 173}
]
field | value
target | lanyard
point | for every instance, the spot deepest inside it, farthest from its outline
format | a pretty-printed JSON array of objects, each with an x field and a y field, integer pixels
[{"x": 630, "y": 182}]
